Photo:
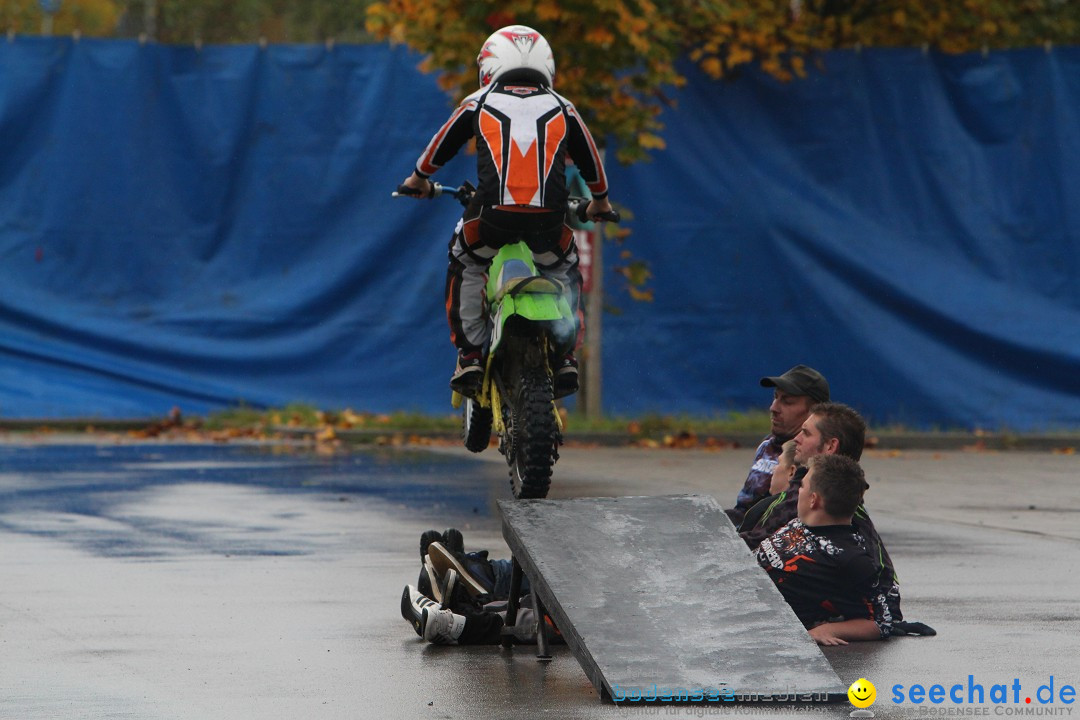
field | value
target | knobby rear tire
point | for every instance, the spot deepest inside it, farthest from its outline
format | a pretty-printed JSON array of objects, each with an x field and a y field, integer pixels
[{"x": 535, "y": 445}]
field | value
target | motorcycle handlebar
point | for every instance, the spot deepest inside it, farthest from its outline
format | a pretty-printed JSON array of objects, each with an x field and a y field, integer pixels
[{"x": 463, "y": 194}]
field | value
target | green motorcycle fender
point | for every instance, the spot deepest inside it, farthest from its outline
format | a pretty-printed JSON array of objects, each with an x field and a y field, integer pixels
[{"x": 537, "y": 307}]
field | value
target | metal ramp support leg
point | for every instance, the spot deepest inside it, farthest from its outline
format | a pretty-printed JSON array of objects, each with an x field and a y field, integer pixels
[{"x": 516, "y": 576}]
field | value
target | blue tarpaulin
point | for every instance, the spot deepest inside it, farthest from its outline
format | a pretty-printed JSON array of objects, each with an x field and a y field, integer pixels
[
  {"x": 203, "y": 228},
  {"x": 907, "y": 223}
]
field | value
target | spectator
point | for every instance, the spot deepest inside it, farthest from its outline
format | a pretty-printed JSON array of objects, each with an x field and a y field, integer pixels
[
  {"x": 831, "y": 428},
  {"x": 795, "y": 392},
  {"x": 786, "y": 467},
  {"x": 822, "y": 564}
]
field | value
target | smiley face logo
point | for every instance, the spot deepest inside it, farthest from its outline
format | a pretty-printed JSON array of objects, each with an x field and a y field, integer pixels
[{"x": 862, "y": 693}]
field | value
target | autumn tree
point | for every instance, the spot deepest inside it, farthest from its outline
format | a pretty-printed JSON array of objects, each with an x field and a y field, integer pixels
[
  {"x": 187, "y": 21},
  {"x": 246, "y": 21},
  {"x": 90, "y": 17},
  {"x": 953, "y": 27},
  {"x": 617, "y": 58}
]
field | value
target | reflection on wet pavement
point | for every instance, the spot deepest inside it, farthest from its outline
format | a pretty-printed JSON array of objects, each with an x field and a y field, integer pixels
[{"x": 157, "y": 501}]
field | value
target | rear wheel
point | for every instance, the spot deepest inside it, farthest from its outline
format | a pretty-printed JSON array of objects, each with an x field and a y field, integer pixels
[
  {"x": 475, "y": 425},
  {"x": 535, "y": 435}
]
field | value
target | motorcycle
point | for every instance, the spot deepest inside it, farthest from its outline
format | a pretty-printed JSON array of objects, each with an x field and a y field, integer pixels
[{"x": 531, "y": 322}]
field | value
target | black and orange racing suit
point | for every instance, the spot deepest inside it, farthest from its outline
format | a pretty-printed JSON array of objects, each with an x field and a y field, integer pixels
[{"x": 523, "y": 133}]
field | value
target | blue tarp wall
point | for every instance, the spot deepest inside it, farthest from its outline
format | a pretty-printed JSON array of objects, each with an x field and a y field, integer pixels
[{"x": 205, "y": 228}]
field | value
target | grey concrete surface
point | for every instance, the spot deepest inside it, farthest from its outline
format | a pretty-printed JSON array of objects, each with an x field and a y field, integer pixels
[
  {"x": 649, "y": 559},
  {"x": 156, "y": 581}
]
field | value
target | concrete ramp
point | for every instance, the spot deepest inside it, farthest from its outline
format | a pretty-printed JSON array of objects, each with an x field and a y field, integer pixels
[{"x": 658, "y": 597}]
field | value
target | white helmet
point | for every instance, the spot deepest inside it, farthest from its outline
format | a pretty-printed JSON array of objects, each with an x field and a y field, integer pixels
[{"x": 516, "y": 47}]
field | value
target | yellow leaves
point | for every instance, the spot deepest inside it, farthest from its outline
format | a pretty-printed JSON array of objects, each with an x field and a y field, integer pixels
[
  {"x": 637, "y": 274},
  {"x": 616, "y": 58},
  {"x": 1010, "y": 28},
  {"x": 650, "y": 141},
  {"x": 798, "y": 65},
  {"x": 599, "y": 35},
  {"x": 637, "y": 25},
  {"x": 646, "y": 8},
  {"x": 775, "y": 68},
  {"x": 548, "y": 11},
  {"x": 383, "y": 23},
  {"x": 89, "y": 17},
  {"x": 447, "y": 81},
  {"x": 713, "y": 67},
  {"x": 397, "y": 34},
  {"x": 376, "y": 13},
  {"x": 738, "y": 55},
  {"x": 963, "y": 26}
]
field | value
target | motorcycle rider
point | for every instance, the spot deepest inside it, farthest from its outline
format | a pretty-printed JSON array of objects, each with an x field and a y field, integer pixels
[{"x": 523, "y": 131}]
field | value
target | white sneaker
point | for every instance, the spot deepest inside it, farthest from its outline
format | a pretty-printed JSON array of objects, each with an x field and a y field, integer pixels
[
  {"x": 413, "y": 603},
  {"x": 442, "y": 627}
]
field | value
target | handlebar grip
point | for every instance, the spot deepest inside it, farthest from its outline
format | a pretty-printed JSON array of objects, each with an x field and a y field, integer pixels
[
  {"x": 407, "y": 191},
  {"x": 612, "y": 216}
]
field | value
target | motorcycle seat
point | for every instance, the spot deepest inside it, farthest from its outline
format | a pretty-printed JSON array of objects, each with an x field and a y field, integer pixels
[{"x": 516, "y": 277}]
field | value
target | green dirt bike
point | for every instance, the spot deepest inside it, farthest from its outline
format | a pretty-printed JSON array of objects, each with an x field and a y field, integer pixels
[{"x": 531, "y": 322}]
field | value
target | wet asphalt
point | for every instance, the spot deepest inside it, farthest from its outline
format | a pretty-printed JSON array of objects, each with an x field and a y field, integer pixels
[{"x": 162, "y": 580}]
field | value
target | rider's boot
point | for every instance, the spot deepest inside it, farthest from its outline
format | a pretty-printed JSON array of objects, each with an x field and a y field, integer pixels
[{"x": 468, "y": 377}]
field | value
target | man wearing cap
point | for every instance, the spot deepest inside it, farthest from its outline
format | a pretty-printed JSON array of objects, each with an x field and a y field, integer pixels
[{"x": 796, "y": 392}]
